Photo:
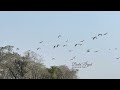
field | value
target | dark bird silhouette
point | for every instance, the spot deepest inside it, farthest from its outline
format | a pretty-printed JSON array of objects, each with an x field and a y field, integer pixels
[
  {"x": 17, "y": 49},
  {"x": 94, "y": 37},
  {"x": 76, "y": 45},
  {"x": 54, "y": 46},
  {"x": 95, "y": 51},
  {"x": 109, "y": 49},
  {"x": 88, "y": 50},
  {"x": 115, "y": 48},
  {"x": 82, "y": 41},
  {"x": 58, "y": 45},
  {"x": 53, "y": 58},
  {"x": 38, "y": 48},
  {"x": 64, "y": 45},
  {"x": 99, "y": 34},
  {"x": 118, "y": 58},
  {"x": 105, "y": 33},
  {"x": 59, "y": 36},
  {"x": 41, "y": 42}
]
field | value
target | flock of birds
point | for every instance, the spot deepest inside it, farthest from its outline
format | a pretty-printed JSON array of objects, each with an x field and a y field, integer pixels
[{"x": 75, "y": 45}]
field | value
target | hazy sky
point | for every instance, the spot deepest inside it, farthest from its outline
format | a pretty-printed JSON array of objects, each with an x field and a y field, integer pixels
[{"x": 26, "y": 29}]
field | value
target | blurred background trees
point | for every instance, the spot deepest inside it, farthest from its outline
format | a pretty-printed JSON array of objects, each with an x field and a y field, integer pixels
[{"x": 30, "y": 66}]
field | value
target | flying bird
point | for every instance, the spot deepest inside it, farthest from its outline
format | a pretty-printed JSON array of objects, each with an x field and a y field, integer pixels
[
  {"x": 64, "y": 45},
  {"x": 41, "y": 42},
  {"x": 115, "y": 48},
  {"x": 76, "y": 45},
  {"x": 105, "y": 33},
  {"x": 58, "y": 45},
  {"x": 53, "y": 58},
  {"x": 96, "y": 51},
  {"x": 54, "y": 46},
  {"x": 88, "y": 50},
  {"x": 99, "y": 34},
  {"x": 82, "y": 41},
  {"x": 118, "y": 58},
  {"x": 94, "y": 37},
  {"x": 38, "y": 48},
  {"x": 59, "y": 36}
]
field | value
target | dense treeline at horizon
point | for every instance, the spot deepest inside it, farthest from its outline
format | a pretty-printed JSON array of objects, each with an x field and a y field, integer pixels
[{"x": 30, "y": 66}]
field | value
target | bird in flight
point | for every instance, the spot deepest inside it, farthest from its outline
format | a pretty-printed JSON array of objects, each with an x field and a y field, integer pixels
[
  {"x": 88, "y": 50},
  {"x": 38, "y": 48},
  {"x": 41, "y": 42},
  {"x": 76, "y": 45},
  {"x": 58, "y": 45},
  {"x": 99, "y": 34},
  {"x": 64, "y": 45},
  {"x": 54, "y": 46},
  {"x": 96, "y": 51},
  {"x": 59, "y": 36},
  {"x": 105, "y": 33},
  {"x": 118, "y": 58},
  {"x": 82, "y": 41},
  {"x": 115, "y": 48},
  {"x": 94, "y": 37},
  {"x": 53, "y": 58}
]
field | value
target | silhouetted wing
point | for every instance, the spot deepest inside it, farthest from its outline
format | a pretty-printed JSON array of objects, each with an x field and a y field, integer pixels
[
  {"x": 75, "y": 44},
  {"x": 58, "y": 45},
  {"x": 54, "y": 47},
  {"x": 82, "y": 41},
  {"x": 59, "y": 36},
  {"x": 88, "y": 50},
  {"x": 105, "y": 33},
  {"x": 64, "y": 45},
  {"x": 99, "y": 34},
  {"x": 41, "y": 42}
]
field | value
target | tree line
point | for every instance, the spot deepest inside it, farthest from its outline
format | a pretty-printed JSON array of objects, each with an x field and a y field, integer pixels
[{"x": 30, "y": 66}]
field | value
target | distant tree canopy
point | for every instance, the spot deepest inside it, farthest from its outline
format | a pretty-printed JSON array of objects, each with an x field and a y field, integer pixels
[{"x": 29, "y": 66}]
